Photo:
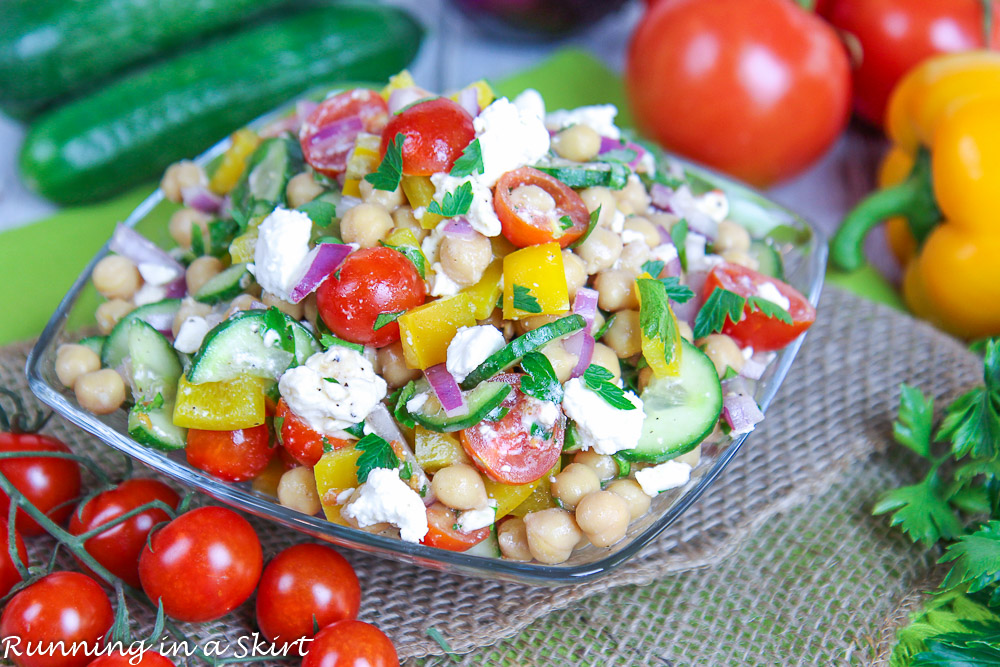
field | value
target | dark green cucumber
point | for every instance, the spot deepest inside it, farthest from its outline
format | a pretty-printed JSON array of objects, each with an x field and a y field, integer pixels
[
  {"x": 225, "y": 285},
  {"x": 155, "y": 367},
  {"x": 129, "y": 131},
  {"x": 95, "y": 343},
  {"x": 602, "y": 174},
  {"x": 155, "y": 428},
  {"x": 481, "y": 401},
  {"x": 115, "y": 347},
  {"x": 768, "y": 259},
  {"x": 262, "y": 186}
]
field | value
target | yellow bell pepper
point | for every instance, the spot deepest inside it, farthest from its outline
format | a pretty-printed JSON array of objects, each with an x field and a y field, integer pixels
[
  {"x": 335, "y": 472},
  {"x": 419, "y": 193},
  {"x": 537, "y": 276},
  {"x": 943, "y": 175},
  {"x": 541, "y": 496},
  {"x": 662, "y": 352},
  {"x": 484, "y": 93},
  {"x": 484, "y": 295},
  {"x": 220, "y": 406},
  {"x": 243, "y": 143},
  {"x": 364, "y": 160},
  {"x": 437, "y": 450},
  {"x": 426, "y": 330},
  {"x": 397, "y": 82}
]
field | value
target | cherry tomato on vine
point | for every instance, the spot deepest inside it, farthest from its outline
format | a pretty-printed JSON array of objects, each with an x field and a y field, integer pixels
[
  {"x": 234, "y": 456},
  {"x": 119, "y": 659},
  {"x": 302, "y": 443},
  {"x": 436, "y": 131},
  {"x": 9, "y": 576},
  {"x": 47, "y": 483},
  {"x": 757, "y": 88},
  {"x": 524, "y": 226},
  {"x": 119, "y": 547},
  {"x": 328, "y": 134},
  {"x": 441, "y": 531},
  {"x": 201, "y": 565},
  {"x": 351, "y": 644},
  {"x": 62, "y": 606},
  {"x": 370, "y": 283}
]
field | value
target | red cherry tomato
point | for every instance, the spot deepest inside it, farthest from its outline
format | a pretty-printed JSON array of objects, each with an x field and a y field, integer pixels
[
  {"x": 64, "y": 606},
  {"x": 351, "y": 644},
  {"x": 441, "y": 532},
  {"x": 202, "y": 565},
  {"x": 436, "y": 131},
  {"x": 45, "y": 482},
  {"x": 234, "y": 456},
  {"x": 119, "y": 547},
  {"x": 119, "y": 659},
  {"x": 301, "y": 442},
  {"x": 303, "y": 585},
  {"x": 526, "y": 226},
  {"x": 9, "y": 576},
  {"x": 757, "y": 88},
  {"x": 504, "y": 450},
  {"x": 328, "y": 134},
  {"x": 887, "y": 38},
  {"x": 369, "y": 283},
  {"x": 755, "y": 329}
]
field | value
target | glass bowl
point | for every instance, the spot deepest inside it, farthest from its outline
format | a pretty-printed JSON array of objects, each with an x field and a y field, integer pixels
[{"x": 804, "y": 253}]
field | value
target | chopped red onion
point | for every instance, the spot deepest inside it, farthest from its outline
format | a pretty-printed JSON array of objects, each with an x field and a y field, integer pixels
[
  {"x": 585, "y": 304},
  {"x": 337, "y": 138},
  {"x": 608, "y": 144},
  {"x": 459, "y": 227},
  {"x": 741, "y": 413},
  {"x": 665, "y": 237},
  {"x": 129, "y": 243},
  {"x": 162, "y": 322},
  {"x": 317, "y": 267},
  {"x": 201, "y": 198},
  {"x": 468, "y": 99},
  {"x": 753, "y": 369},
  {"x": 661, "y": 196},
  {"x": 176, "y": 289},
  {"x": 446, "y": 388},
  {"x": 581, "y": 344}
]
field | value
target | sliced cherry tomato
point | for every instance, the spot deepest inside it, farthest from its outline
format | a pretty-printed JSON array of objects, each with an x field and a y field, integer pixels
[
  {"x": 66, "y": 607},
  {"x": 328, "y": 134},
  {"x": 301, "y": 442},
  {"x": 369, "y": 283},
  {"x": 351, "y": 644},
  {"x": 525, "y": 226},
  {"x": 234, "y": 456},
  {"x": 119, "y": 547},
  {"x": 507, "y": 452},
  {"x": 9, "y": 576},
  {"x": 436, "y": 131},
  {"x": 119, "y": 659},
  {"x": 47, "y": 483},
  {"x": 755, "y": 329},
  {"x": 442, "y": 533}
]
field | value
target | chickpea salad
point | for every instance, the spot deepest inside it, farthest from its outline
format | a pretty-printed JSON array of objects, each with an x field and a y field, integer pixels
[{"x": 457, "y": 320}]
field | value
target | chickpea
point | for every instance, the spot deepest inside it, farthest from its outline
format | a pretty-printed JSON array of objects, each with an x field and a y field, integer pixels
[
  {"x": 294, "y": 310},
  {"x": 459, "y": 487},
  {"x": 512, "y": 535},
  {"x": 182, "y": 223},
  {"x": 633, "y": 196},
  {"x": 395, "y": 372},
  {"x": 603, "y": 198},
  {"x": 381, "y": 528},
  {"x": 241, "y": 303},
  {"x": 116, "y": 277},
  {"x": 464, "y": 258},
  {"x": 623, "y": 334},
  {"x": 403, "y": 218},
  {"x": 297, "y": 490},
  {"x": 685, "y": 330},
  {"x": 616, "y": 290},
  {"x": 731, "y": 236},
  {"x": 603, "y": 517},
  {"x": 606, "y": 358},
  {"x": 691, "y": 458},
  {"x": 633, "y": 256},
  {"x": 72, "y": 361},
  {"x": 645, "y": 375},
  {"x": 723, "y": 351},
  {"x": 390, "y": 201},
  {"x": 180, "y": 175},
  {"x": 741, "y": 258},
  {"x": 533, "y": 322},
  {"x": 200, "y": 271},
  {"x": 101, "y": 392},
  {"x": 189, "y": 308},
  {"x": 576, "y": 272},
  {"x": 579, "y": 143},
  {"x": 562, "y": 361},
  {"x": 366, "y": 225},
  {"x": 302, "y": 188},
  {"x": 633, "y": 495},
  {"x": 573, "y": 483},
  {"x": 532, "y": 198},
  {"x": 109, "y": 313},
  {"x": 552, "y": 535},
  {"x": 602, "y": 464},
  {"x": 663, "y": 220},
  {"x": 640, "y": 225},
  {"x": 600, "y": 251}
]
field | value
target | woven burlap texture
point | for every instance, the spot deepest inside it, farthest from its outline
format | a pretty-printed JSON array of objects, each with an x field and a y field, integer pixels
[{"x": 812, "y": 586}]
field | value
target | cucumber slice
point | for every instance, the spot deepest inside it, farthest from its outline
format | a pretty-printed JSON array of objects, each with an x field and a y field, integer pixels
[
  {"x": 224, "y": 286},
  {"x": 481, "y": 401},
  {"x": 680, "y": 411},
  {"x": 155, "y": 365},
  {"x": 236, "y": 347},
  {"x": 600, "y": 174},
  {"x": 95, "y": 343},
  {"x": 488, "y": 548},
  {"x": 522, "y": 345},
  {"x": 155, "y": 428},
  {"x": 115, "y": 347},
  {"x": 262, "y": 186},
  {"x": 768, "y": 259}
]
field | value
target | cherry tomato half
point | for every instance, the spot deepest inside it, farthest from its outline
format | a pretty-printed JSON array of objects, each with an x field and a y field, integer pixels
[
  {"x": 328, "y": 134},
  {"x": 202, "y": 565},
  {"x": 441, "y": 532},
  {"x": 303, "y": 585},
  {"x": 234, "y": 456},
  {"x": 524, "y": 226},
  {"x": 436, "y": 131},
  {"x": 301, "y": 442},
  {"x": 351, "y": 644},
  {"x": 755, "y": 329},
  {"x": 45, "y": 482},
  {"x": 119, "y": 547},
  {"x": 64, "y": 606},
  {"x": 119, "y": 659},
  {"x": 369, "y": 283},
  {"x": 504, "y": 450},
  {"x": 9, "y": 576}
]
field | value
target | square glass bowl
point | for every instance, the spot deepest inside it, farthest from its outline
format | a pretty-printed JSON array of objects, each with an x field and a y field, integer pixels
[{"x": 804, "y": 253}]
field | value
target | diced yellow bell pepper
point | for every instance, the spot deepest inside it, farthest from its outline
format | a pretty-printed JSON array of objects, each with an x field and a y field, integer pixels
[
  {"x": 352, "y": 187},
  {"x": 501, "y": 246},
  {"x": 220, "y": 406},
  {"x": 541, "y": 495},
  {"x": 364, "y": 159},
  {"x": 662, "y": 361},
  {"x": 484, "y": 294},
  {"x": 419, "y": 192},
  {"x": 234, "y": 161},
  {"x": 508, "y": 496},
  {"x": 335, "y": 472},
  {"x": 484, "y": 93},
  {"x": 426, "y": 330},
  {"x": 398, "y": 81},
  {"x": 537, "y": 273},
  {"x": 437, "y": 450}
]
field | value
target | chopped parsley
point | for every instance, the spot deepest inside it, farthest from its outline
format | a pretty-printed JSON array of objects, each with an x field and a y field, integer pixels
[
  {"x": 566, "y": 223},
  {"x": 539, "y": 431},
  {"x": 598, "y": 380},
  {"x": 471, "y": 161},
  {"x": 723, "y": 304},
  {"x": 656, "y": 319},
  {"x": 525, "y": 300},
  {"x": 453, "y": 203},
  {"x": 332, "y": 380},
  {"x": 540, "y": 379},
  {"x": 385, "y": 319},
  {"x": 390, "y": 171},
  {"x": 328, "y": 340},
  {"x": 411, "y": 253},
  {"x": 654, "y": 267},
  {"x": 281, "y": 324},
  {"x": 595, "y": 215},
  {"x": 679, "y": 234},
  {"x": 676, "y": 291},
  {"x": 376, "y": 452},
  {"x": 148, "y": 406}
]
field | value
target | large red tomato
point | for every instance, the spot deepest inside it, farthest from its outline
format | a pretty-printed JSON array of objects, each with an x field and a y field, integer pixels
[
  {"x": 757, "y": 88},
  {"x": 436, "y": 131},
  {"x": 351, "y": 644},
  {"x": 886, "y": 38},
  {"x": 47, "y": 482}
]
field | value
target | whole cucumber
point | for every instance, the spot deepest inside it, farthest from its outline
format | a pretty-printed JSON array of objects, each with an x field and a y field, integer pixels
[
  {"x": 50, "y": 49},
  {"x": 129, "y": 131}
]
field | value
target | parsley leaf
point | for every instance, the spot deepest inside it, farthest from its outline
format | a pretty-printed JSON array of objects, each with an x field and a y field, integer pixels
[
  {"x": 524, "y": 300},
  {"x": 453, "y": 203},
  {"x": 327, "y": 445},
  {"x": 620, "y": 155},
  {"x": 398, "y": 402},
  {"x": 385, "y": 319},
  {"x": 540, "y": 379},
  {"x": 148, "y": 406},
  {"x": 471, "y": 161},
  {"x": 278, "y": 424},
  {"x": 654, "y": 267},
  {"x": 966, "y": 654},
  {"x": 281, "y": 324},
  {"x": 332, "y": 380},
  {"x": 598, "y": 380},
  {"x": 595, "y": 215},
  {"x": 972, "y": 422},
  {"x": 604, "y": 327},
  {"x": 329, "y": 340},
  {"x": 407, "y": 471},
  {"x": 539, "y": 431},
  {"x": 566, "y": 223},
  {"x": 921, "y": 512},
  {"x": 656, "y": 319},
  {"x": 357, "y": 430},
  {"x": 719, "y": 305},
  {"x": 376, "y": 452},
  {"x": 729, "y": 374},
  {"x": 411, "y": 253},
  {"x": 679, "y": 234},
  {"x": 912, "y": 427},
  {"x": 390, "y": 171},
  {"x": 676, "y": 291},
  {"x": 769, "y": 308},
  {"x": 976, "y": 559}
]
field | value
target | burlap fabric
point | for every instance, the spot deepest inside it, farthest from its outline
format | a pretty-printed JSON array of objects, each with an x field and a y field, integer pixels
[{"x": 778, "y": 564}]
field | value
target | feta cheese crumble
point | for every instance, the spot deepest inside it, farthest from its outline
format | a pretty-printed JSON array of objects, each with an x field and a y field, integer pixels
[
  {"x": 770, "y": 292},
  {"x": 191, "y": 334},
  {"x": 384, "y": 497},
  {"x": 157, "y": 274},
  {"x": 600, "y": 118},
  {"x": 665, "y": 476},
  {"x": 470, "y": 347},
  {"x": 599, "y": 425},
  {"x": 149, "y": 293},
  {"x": 281, "y": 250},
  {"x": 471, "y": 520}
]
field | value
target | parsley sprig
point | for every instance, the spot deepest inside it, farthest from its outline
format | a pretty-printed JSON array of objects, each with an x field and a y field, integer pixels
[
  {"x": 470, "y": 162},
  {"x": 540, "y": 379},
  {"x": 722, "y": 304},
  {"x": 390, "y": 171},
  {"x": 376, "y": 452},
  {"x": 453, "y": 203},
  {"x": 525, "y": 300},
  {"x": 598, "y": 380}
]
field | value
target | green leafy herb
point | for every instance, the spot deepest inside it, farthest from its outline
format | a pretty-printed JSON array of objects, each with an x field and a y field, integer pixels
[
  {"x": 357, "y": 430},
  {"x": 375, "y": 453},
  {"x": 719, "y": 305},
  {"x": 320, "y": 212},
  {"x": 595, "y": 215},
  {"x": 385, "y": 319},
  {"x": 912, "y": 427},
  {"x": 656, "y": 319},
  {"x": 608, "y": 321},
  {"x": 453, "y": 203},
  {"x": 654, "y": 267},
  {"x": 332, "y": 380},
  {"x": 328, "y": 340},
  {"x": 598, "y": 380},
  {"x": 566, "y": 223},
  {"x": 524, "y": 300},
  {"x": 327, "y": 445},
  {"x": 730, "y": 373},
  {"x": 676, "y": 291},
  {"x": 280, "y": 324},
  {"x": 539, "y": 431},
  {"x": 679, "y": 234},
  {"x": 972, "y": 423},
  {"x": 921, "y": 511},
  {"x": 471, "y": 161},
  {"x": 769, "y": 308},
  {"x": 197, "y": 241},
  {"x": 975, "y": 558},
  {"x": 390, "y": 171},
  {"x": 407, "y": 471},
  {"x": 148, "y": 406},
  {"x": 411, "y": 253},
  {"x": 278, "y": 424},
  {"x": 540, "y": 379}
]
